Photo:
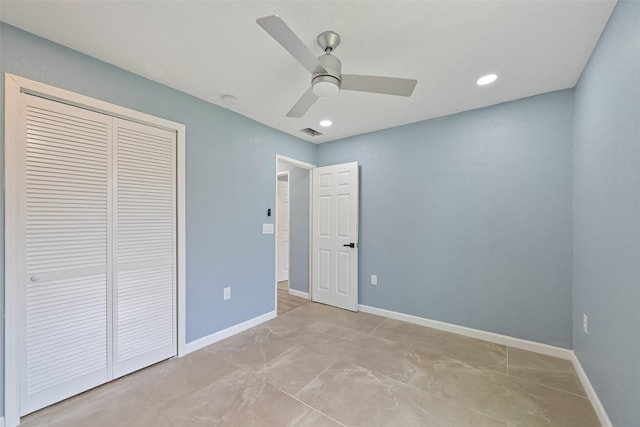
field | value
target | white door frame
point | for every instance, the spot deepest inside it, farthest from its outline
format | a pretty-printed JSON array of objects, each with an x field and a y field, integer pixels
[
  {"x": 309, "y": 167},
  {"x": 14, "y": 85}
]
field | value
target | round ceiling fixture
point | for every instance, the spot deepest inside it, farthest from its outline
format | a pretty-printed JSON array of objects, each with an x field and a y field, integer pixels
[
  {"x": 488, "y": 79},
  {"x": 229, "y": 100},
  {"x": 325, "y": 123}
]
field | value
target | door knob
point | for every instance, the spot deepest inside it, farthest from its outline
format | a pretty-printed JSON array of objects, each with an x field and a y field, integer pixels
[
  {"x": 350, "y": 245},
  {"x": 35, "y": 278}
]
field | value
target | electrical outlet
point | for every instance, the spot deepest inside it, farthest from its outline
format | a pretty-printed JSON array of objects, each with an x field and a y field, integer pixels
[
  {"x": 227, "y": 292},
  {"x": 374, "y": 280},
  {"x": 585, "y": 323}
]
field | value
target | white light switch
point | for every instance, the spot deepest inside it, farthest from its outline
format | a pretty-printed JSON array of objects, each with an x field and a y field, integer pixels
[
  {"x": 267, "y": 228},
  {"x": 374, "y": 279}
]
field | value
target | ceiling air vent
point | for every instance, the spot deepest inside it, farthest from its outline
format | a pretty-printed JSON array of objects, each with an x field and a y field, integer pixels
[{"x": 310, "y": 132}]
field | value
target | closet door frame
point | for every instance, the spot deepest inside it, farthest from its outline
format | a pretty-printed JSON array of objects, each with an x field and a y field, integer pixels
[{"x": 14, "y": 86}]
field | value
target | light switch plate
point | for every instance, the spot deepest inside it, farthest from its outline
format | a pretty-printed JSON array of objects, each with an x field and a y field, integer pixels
[{"x": 267, "y": 228}]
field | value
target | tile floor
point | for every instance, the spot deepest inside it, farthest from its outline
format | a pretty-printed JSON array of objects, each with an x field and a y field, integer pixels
[{"x": 319, "y": 366}]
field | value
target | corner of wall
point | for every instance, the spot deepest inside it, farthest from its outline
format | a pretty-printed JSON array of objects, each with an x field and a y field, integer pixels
[{"x": 591, "y": 393}]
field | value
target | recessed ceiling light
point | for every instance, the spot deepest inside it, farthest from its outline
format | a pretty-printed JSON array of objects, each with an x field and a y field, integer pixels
[
  {"x": 326, "y": 123},
  {"x": 488, "y": 79}
]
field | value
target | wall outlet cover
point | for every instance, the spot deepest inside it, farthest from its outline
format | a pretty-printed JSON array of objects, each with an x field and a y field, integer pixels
[{"x": 227, "y": 293}]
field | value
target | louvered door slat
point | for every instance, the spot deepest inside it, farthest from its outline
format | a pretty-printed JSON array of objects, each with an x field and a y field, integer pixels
[
  {"x": 145, "y": 276},
  {"x": 66, "y": 251}
]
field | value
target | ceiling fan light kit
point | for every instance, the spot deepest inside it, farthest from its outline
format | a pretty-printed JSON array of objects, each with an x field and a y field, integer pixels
[
  {"x": 326, "y": 87},
  {"x": 326, "y": 70}
]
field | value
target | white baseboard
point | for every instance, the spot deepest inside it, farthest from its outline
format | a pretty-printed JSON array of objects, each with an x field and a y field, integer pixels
[
  {"x": 591, "y": 393},
  {"x": 1, "y": 421},
  {"x": 226, "y": 333},
  {"x": 300, "y": 294},
  {"x": 535, "y": 347}
]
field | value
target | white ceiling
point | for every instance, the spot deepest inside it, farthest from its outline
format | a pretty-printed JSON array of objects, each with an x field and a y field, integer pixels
[{"x": 212, "y": 48}]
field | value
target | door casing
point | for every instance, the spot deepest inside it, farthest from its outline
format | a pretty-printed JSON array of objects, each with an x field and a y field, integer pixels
[{"x": 309, "y": 167}]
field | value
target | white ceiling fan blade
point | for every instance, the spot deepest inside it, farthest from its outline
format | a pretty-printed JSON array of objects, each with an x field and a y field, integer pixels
[
  {"x": 304, "y": 103},
  {"x": 290, "y": 41},
  {"x": 375, "y": 84}
]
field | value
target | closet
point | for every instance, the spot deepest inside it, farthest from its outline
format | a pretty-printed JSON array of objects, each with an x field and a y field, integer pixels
[{"x": 96, "y": 246}]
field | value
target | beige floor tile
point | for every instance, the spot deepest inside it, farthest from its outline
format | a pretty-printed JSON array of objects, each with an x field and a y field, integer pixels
[
  {"x": 520, "y": 402},
  {"x": 167, "y": 381},
  {"x": 293, "y": 370},
  {"x": 478, "y": 353},
  {"x": 362, "y": 322},
  {"x": 383, "y": 360},
  {"x": 547, "y": 370},
  {"x": 118, "y": 403},
  {"x": 355, "y": 396},
  {"x": 237, "y": 399},
  {"x": 344, "y": 332},
  {"x": 252, "y": 349}
]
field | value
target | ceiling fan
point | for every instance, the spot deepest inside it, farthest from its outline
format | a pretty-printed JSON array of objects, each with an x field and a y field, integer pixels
[{"x": 326, "y": 70}]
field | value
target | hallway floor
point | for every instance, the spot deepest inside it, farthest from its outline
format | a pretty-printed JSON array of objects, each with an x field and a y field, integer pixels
[
  {"x": 287, "y": 302},
  {"x": 320, "y": 366}
]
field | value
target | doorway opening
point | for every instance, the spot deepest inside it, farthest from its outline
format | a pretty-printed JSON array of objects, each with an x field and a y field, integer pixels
[
  {"x": 323, "y": 213},
  {"x": 293, "y": 233}
]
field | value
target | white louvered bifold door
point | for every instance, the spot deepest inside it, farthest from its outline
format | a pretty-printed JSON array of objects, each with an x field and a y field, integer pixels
[
  {"x": 65, "y": 252},
  {"x": 145, "y": 254}
]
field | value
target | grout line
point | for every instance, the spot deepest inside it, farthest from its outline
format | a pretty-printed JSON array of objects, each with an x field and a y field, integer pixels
[
  {"x": 317, "y": 376},
  {"x": 314, "y": 408},
  {"x": 543, "y": 384},
  {"x": 309, "y": 405},
  {"x": 551, "y": 387},
  {"x": 380, "y": 324}
]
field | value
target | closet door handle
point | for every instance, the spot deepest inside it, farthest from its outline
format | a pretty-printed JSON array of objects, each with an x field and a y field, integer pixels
[{"x": 350, "y": 245}]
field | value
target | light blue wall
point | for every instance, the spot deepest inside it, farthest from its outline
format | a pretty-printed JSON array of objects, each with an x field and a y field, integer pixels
[
  {"x": 230, "y": 167},
  {"x": 607, "y": 216},
  {"x": 299, "y": 227},
  {"x": 467, "y": 219}
]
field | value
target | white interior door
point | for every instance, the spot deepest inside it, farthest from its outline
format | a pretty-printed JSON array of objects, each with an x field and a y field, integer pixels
[
  {"x": 145, "y": 252},
  {"x": 335, "y": 235},
  {"x": 64, "y": 252},
  {"x": 283, "y": 229}
]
